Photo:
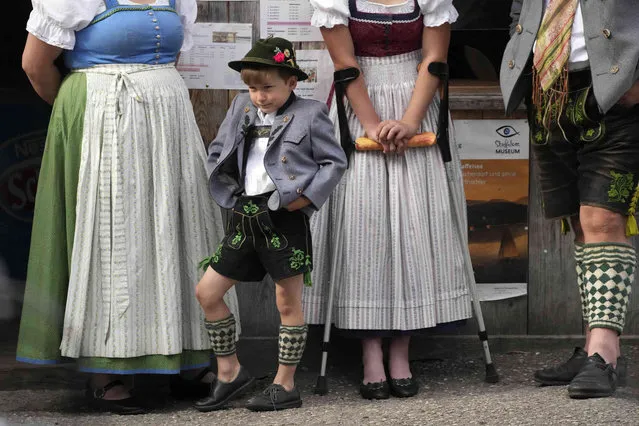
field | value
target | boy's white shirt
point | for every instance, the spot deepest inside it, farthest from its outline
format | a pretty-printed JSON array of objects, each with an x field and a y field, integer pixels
[{"x": 256, "y": 180}]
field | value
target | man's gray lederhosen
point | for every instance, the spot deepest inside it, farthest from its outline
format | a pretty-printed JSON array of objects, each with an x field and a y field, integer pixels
[{"x": 588, "y": 154}]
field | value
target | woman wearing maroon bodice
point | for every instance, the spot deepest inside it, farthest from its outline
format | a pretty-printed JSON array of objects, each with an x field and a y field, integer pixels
[{"x": 398, "y": 267}]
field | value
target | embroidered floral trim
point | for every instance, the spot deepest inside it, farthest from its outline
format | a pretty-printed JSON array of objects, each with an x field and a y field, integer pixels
[
  {"x": 299, "y": 259},
  {"x": 215, "y": 258},
  {"x": 621, "y": 187},
  {"x": 237, "y": 238},
  {"x": 275, "y": 242},
  {"x": 251, "y": 208}
]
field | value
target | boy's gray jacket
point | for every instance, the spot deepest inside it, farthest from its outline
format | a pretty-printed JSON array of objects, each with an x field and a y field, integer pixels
[
  {"x": 303, "y": 157},
  {"x": 611, "y": 29}
]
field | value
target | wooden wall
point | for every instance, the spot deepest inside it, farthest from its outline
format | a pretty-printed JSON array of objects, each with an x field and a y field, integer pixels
[{"x": 552, "y": 305}]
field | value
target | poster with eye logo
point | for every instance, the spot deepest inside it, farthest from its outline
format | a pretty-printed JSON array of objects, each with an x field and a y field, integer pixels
[{"x": 494, "y": 156}]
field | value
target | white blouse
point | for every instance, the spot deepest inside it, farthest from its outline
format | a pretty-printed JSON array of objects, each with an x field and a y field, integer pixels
[
  {"x": 328, "y": 13},
  {"x": 257, "y": 181},
  {"x": 56, "y": 21}
]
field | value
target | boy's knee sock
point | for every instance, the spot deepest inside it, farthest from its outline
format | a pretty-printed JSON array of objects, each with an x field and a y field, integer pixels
[
  {"x": 222, "y": 335},
  {"x": 292, "y": 342},
  {"x": 579, "y": 268},
  {"x": 608, "y": 275}
]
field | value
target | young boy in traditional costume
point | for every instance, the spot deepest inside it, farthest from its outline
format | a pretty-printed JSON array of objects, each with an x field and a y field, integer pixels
[{"x": 274, "y": 162}]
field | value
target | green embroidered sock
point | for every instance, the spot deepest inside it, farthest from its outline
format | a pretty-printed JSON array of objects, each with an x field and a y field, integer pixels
[
  {"x": 292, "y": 342},
  {"x": 222, "y": 335},
  {"x": 608, "y": 275},
  {"x": 579, "y": 268}
]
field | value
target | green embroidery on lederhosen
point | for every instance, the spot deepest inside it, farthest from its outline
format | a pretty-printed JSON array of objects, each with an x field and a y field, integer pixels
[
  {"x": 214, "y": 258},
  {"x": 236, "y": 241},
  {"x": 620, "y": 187},
  {"x": 250, "y": 208},
  {"x": 299, "y": 259},
  {"x": 275, "y": 241}
]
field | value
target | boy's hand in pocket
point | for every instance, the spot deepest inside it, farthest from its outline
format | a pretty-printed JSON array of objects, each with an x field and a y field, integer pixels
[{"x": 299, "y": 203}]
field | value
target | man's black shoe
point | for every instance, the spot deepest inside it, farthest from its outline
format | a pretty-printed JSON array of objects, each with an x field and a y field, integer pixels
[
  {"x": 274, "y": 398},
  {"x": 563, "y": 373},
  {"x": 595, "y": 380},
  {"x": 222, "y": 392}
]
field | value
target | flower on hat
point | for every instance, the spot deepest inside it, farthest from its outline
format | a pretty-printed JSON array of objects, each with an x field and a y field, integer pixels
[{"x": 279, "y": 57}]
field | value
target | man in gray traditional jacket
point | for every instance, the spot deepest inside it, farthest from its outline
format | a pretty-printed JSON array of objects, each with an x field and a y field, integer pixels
[{"x": 576, "y": 64}]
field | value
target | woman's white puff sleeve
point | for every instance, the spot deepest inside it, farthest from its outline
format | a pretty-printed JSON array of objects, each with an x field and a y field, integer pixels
[
  {"x": 438, "y": 12},
  {"x": 187, "y": 9},
  {"x": 56, "y": 21},
  {"x": 328, "y": 13}
]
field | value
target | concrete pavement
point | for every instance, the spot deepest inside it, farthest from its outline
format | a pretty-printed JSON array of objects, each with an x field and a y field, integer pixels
[{"x": 450, "y": 372}]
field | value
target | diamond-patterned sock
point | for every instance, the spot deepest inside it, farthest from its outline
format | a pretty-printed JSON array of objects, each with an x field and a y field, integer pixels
[
  {"x": 579, "y": 268},
  {"x": 222, "y": 335},
  {"x": 292, "y": 343},
  {"x": 608, "y": 275}
]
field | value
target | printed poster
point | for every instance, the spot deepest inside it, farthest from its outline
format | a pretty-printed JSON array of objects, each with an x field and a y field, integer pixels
[
  {"x": 290, "y": 19},
  {"x": 494, "y": 156},
  {"x": 319, "y": 67},
  {"x": 215, "y": 44}
]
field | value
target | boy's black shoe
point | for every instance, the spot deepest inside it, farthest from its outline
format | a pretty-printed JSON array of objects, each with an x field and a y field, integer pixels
[
  {"x": 595, "y": 380},
  {"x": 222, "y": 392},
  {"x": 563, "y": 373},
  {"x": 274, "y": 398}
]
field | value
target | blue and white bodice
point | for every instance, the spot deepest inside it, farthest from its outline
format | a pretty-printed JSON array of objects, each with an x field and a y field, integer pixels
[{"x": 98, "y": 32}]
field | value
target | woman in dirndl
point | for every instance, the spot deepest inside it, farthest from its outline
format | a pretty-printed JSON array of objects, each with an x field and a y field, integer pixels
[
  {"x": 387, "y": 237},
  {"x": 123, "y": 214}
]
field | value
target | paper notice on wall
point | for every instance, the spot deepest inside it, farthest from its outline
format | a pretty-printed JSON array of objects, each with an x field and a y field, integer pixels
[
  {"x": 319, "y": 67},
  {"x": 494, "y": 156},
  {"x": 215, "y": 44},
  {"x": 290, "y": 19}
]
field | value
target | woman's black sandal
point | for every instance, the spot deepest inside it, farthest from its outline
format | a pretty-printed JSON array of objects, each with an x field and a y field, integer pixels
[{"x": 126, "y": 406}]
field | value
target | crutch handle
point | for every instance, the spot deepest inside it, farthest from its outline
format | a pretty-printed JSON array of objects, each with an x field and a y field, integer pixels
[{"x": 419, "y": 140}]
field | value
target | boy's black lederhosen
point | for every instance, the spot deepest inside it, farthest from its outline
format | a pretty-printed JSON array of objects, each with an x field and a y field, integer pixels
[
  {"x": 585, "y": 157},
  {"x": 260, "y": 241}
]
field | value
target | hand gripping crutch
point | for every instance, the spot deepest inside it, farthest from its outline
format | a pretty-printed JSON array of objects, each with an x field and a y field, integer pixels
[
  {"x": 440, "y": 69},
  {"x": 341, "y": 78}
]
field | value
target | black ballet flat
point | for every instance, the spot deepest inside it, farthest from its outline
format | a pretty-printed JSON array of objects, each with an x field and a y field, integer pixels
[
  {"x": 126, "y": 406},
  {"x": 378, "y": 390},
  {"x": 404, "y": 388}
]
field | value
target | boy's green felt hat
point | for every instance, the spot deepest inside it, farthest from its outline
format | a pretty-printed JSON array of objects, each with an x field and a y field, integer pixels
[{"x": 271, "y": 52}]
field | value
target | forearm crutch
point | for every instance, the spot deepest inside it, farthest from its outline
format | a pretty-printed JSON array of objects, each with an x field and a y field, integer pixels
[
  {"x": 341, "y": 79},
  {"x": 440, "y": 69}
]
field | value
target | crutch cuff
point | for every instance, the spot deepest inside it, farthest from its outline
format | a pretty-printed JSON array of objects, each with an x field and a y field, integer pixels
[{"x": 346, "y": 75}]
